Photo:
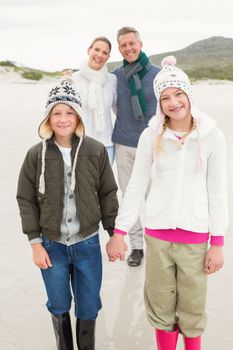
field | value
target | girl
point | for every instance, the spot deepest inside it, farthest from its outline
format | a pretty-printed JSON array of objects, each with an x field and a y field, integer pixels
[
  {"x": 97, "y": 89},
  {"x": 65, "y": 188},
  {"x": 183, "y": 152}
]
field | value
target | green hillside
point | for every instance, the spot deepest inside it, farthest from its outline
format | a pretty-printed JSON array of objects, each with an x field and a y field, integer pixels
[{"x": 206, "y": 59}]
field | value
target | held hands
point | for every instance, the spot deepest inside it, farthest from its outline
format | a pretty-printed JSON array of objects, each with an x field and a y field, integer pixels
[
  {"x": 67, "y": 74},
  {"x": 116, "y": 247},
  {"x": 214, "y": 259},
  {"x": 40, "y": 256}
]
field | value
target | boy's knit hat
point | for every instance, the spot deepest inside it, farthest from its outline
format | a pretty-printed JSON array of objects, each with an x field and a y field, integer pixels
[{"x": 62, "y": 93}]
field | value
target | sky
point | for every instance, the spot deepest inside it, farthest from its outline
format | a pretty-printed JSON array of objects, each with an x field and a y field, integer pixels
[{"x": 55, "y": 34}]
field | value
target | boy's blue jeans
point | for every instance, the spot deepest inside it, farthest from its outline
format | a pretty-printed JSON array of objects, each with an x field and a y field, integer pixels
[{"x": 78, "y": 268}]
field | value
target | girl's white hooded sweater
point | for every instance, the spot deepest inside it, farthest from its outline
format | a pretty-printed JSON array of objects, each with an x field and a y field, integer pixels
[{"x": 182, "y": 193}]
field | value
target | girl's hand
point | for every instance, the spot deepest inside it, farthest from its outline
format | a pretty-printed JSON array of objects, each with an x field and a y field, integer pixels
[
  {"x": 214, "y": 259},
  {"x": 40, "y": 256},
  {"x": 116, "y": 247}
]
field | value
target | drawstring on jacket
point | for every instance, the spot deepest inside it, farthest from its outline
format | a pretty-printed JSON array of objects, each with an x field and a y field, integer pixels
[{"x": 42, "y": 177}]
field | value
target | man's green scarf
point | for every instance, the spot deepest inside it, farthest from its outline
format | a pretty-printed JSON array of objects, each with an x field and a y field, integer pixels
[{"x": 134, "y": 72}]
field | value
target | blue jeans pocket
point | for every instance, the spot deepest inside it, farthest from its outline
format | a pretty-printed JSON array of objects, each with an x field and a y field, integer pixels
[
  {"x": 47, "y": 243},
  {"x": 93, "y": 241}
]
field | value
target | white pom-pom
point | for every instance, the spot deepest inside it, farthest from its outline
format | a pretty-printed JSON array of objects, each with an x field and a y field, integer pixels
[{"x": 168, "y": 61}]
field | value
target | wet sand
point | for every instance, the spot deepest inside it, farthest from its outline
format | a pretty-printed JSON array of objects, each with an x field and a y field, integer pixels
[{"x": 24, "y": 321}]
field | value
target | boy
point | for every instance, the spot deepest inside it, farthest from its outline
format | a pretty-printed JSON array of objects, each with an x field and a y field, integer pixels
[{"x": 65, "y": 188}]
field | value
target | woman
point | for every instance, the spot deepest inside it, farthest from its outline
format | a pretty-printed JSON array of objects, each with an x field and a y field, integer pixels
[{"x": 97, "y": 89}]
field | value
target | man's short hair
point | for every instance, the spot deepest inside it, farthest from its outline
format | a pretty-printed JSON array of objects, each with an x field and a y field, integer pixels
[{"x": 127, "y": 30}]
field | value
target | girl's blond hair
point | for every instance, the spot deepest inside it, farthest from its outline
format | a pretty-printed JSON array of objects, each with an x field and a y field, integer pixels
[{"x": 158, "y": 144}]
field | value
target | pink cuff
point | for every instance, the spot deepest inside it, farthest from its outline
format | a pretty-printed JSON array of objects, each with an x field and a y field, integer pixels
[
  {"x": 120, "y": 232},
  {"x": 217, "y": 240}
]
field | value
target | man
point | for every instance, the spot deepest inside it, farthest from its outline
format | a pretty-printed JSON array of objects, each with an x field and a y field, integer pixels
[{"x": 136, "y": 104}]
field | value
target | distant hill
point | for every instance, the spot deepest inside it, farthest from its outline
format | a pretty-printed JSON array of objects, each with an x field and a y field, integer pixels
[
  {"x": 205, "y": 59},
  {"x": 210, "y": 58}
]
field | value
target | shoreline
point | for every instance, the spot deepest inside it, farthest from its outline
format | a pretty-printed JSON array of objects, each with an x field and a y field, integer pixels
[{"x": 15, "y": 78}]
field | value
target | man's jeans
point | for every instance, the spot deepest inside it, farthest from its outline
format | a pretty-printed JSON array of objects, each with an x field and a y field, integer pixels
[{"x": 78, "y": 268}]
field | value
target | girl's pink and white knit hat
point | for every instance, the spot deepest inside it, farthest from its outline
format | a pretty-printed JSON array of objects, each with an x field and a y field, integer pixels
[{"x": 171, "y": 76}]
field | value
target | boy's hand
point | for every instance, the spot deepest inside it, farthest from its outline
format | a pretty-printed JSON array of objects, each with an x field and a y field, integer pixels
[
  {"x": 116, "y": 247},
  {"x": 40, "y": 256},
  {"x": 214, "y": 259}
]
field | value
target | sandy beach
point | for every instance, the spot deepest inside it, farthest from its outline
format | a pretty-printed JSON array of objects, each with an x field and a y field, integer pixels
[{"x": 24, "y": 321}]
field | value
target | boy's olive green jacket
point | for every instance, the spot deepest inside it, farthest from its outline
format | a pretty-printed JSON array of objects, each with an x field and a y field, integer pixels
[{"x": 95, "y": 190}]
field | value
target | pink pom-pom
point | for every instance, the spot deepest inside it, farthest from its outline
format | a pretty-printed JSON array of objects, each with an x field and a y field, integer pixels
[{"x": 168, "y": 61}]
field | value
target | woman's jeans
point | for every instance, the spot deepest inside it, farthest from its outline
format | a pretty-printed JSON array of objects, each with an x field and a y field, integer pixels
[{"x": 78, "y": 268}]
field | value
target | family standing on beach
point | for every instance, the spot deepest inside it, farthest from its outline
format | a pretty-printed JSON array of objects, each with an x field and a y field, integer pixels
[{"x": 170, "y": 158}]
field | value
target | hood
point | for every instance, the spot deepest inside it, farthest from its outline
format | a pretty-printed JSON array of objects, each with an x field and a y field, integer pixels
[{"x": 62, "y": 93}]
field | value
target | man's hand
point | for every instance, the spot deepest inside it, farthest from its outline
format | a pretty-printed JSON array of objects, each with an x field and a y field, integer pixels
[
  {"x": 116, "y": 247},
  {"x": 40, "y": 256},
  {"x": 214, "y": 259}
]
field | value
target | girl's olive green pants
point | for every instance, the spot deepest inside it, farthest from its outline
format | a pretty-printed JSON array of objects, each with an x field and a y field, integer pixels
[{"x": 175, "y": 286}]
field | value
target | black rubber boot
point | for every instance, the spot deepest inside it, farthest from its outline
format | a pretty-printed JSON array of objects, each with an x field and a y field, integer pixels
[
  {"x": 85, "y": 334},
  {"x": 63, "y": 331},
  {"x": 135, "y": 257}
]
